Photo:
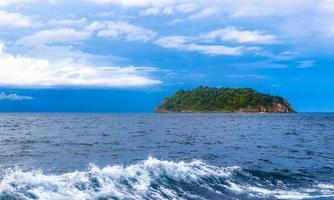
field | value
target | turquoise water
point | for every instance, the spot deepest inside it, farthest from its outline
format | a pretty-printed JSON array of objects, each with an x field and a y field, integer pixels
[{"x": 166, "y": 156}]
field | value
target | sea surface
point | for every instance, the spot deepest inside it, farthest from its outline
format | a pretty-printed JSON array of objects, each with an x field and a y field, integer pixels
[{"x": 166, "y": 156}]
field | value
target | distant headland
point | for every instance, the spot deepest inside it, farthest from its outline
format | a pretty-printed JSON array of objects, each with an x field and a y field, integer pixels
[{"x": 212, "y": 99}]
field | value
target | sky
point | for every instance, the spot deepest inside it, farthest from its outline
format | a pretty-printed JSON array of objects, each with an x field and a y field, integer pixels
[{"x": 126, "y": 55}]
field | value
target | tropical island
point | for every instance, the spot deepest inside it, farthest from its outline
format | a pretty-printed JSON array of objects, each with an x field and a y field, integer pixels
[{"x": 212, "y": 99}]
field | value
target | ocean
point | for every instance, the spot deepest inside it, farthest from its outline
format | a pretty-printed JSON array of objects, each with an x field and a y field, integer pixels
[{"x": 166, "y": 156}]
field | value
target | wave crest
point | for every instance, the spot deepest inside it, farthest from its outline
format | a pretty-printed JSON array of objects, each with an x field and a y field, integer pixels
[{"x": 151, "y": 179}]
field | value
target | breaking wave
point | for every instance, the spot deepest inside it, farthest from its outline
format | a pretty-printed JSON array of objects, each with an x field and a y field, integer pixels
[{"x": 155, "y": 179}]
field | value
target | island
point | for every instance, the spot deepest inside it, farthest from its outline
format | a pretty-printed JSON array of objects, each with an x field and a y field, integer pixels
[{"x": 213, "y": 99}]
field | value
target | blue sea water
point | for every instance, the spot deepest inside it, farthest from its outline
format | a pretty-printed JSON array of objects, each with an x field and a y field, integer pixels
[{"x": 166, "y": 156}]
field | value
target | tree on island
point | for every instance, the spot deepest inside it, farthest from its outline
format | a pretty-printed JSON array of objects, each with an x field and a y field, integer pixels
[{"x": 212, "y": 99}]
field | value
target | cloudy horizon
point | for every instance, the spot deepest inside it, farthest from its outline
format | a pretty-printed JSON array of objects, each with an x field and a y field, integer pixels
[{"x": 148, "y": 48}]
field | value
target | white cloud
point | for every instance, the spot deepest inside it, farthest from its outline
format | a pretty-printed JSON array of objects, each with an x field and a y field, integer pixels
[
  {"x": 12, "y": 2},
  {"x": 305, "y": 18},
  {"x": 211, "y": 43},
  {"x": 215, "y": 49},
  {"x": 150, "y": 11},
  {"x": 260, "y": 8},
  {"x": 10, "y": 19},
  {"x": 54, "y": 53},
  {"x": 119, "y": 30},
  {"x": 54, "y": 36},
  {"x": 186, "y": 44},
  {"x": 186, "y": 7},
  {"x": 168, "y": 11},
  {"x": 135, "y": 3},
  {"x": 23, "y": 71},
  {"x": 204, "y": 13},
  {"x": 68, "y": 22},
  {"x": 94, "y": 26},
  {"x": 241, "y": 36},
  {"x": 173, "y": 41},
  {"x": 327, "y": 5},
  {"x": 236, "y": 8},
  {"x": 106, "y": 29},
  {"x": 179, "y": 8},
  {"x": 14, "y": 97},
  {"x": 306, "y": 64}
]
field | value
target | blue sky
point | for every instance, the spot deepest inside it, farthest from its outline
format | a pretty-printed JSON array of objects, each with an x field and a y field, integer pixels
[{"x": 126, "y": 55}]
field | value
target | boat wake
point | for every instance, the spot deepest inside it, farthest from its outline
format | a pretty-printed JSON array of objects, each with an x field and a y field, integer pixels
[{"x": 156, "y": 179}]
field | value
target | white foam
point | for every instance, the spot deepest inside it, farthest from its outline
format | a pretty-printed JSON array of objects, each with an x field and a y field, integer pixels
[
  {"x": 136, "y": 182},
  {"x": 130, "y": 182},
  {"x": 302, "y": 193}
]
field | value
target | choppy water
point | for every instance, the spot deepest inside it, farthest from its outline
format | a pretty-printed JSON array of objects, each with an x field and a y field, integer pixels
[{"x": 166, "y": 156}]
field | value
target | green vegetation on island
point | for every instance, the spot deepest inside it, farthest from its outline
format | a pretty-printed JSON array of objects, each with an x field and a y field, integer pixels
[{"x": 211, "y": 99}]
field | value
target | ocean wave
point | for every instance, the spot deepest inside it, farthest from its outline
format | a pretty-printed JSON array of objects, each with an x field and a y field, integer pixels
[{"x": 154, "y": 179}]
